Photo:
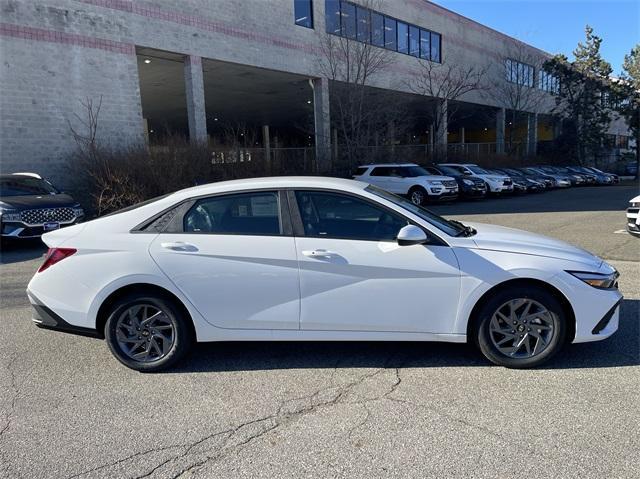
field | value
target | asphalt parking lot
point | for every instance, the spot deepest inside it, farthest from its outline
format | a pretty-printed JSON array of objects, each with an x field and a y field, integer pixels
[{"x": 69, "y": 410}]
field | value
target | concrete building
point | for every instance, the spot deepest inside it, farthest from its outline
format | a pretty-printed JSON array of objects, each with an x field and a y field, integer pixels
[{"x": 190, "y": 65}]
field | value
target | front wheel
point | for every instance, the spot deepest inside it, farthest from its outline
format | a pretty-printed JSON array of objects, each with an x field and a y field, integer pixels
[
  {"x": 418, "y": 195},
  {"x": 147, "y": 332},
  {"x": 521, "y": 327}
]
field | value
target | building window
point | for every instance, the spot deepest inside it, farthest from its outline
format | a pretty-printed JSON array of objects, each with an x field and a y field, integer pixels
[
  {"x": 363, "y": 27},
  {"x": 425, "y": 45},
  {"x": 435, "y": 47},
  {"x": 520, "y": 73},
  {"x": 390, "y": 34},
  {"x": 332, "y": 16},
  {"x": 414, "y": 41},
  {"x": 377, "y": 29},
  {"x": 303, "y": 13},
  {"x": 352, "y": 21},
  {"x": 622, "y": 142},
  {"x": 548, "y": 82}
]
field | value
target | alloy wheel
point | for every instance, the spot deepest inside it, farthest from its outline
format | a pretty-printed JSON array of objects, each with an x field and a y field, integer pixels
[
  {"x": 522, "y": 328},
  {"x": 417, "y": 197},
  {"x": 145, "y": 333}
]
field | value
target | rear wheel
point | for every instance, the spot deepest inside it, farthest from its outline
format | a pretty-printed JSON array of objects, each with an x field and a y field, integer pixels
[
  {"x": 418, "y": 195},
  {"x": 521, "y": 327},
  {"x": 147, "y": 332}
]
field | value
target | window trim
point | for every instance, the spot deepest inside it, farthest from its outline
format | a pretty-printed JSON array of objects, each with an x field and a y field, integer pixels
[{"x": 298, "y": 226}]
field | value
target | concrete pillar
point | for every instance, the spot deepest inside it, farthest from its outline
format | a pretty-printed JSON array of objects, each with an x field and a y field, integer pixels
[
  {"x": 500, "y": 120},
  {"x": 322, "y": 122},
  {"x": 462, "y": 135},
  {"x": 194, "y": 88},
  {"x": 532, "y": 134},
  {"x": 266, "y": 144}
]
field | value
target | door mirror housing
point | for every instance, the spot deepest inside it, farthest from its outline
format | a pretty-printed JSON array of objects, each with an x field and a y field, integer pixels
[{"x": 410, "y": 235}]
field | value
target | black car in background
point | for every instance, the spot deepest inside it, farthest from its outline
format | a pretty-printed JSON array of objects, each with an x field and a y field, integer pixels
[
  {"x": 31, "y": 206},
  {"x": 521, "y": 183},
  {"x": 468, "y": 186}
]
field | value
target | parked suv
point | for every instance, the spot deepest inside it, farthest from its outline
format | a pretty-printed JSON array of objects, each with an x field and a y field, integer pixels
[
  {"x": 633, "y": 216},
  {"x": 409, "y": 179},
  {"x": 496, "y": 183},
  {"x": 468, "y": 186},
  {"x": 31, "y": 206}
]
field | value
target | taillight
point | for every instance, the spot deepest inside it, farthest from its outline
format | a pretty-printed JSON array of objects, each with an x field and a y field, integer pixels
[{"x": 54, "y": 255}]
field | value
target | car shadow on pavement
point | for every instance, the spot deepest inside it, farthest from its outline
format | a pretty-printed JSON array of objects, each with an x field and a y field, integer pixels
[
  {"x": 24, "y": 250},
  {"x": 622, "y": 349}
]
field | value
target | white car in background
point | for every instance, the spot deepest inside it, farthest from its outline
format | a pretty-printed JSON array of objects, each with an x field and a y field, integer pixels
[
  {"x": 410, "y": 180},
  {"x": 495, "y": 183},
  {"x": 315, "y": 259},
  {"x": 633, "y": 216}
]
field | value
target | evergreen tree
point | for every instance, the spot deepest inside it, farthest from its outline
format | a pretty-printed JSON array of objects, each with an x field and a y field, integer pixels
[{"x": 629, "y": 93}]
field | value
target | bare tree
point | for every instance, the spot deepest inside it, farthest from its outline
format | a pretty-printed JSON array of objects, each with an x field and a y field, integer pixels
[
  {"x": 447, "y": 81},
  {"x": 357, "y": 109},
  {"x": 514, "y": 86}
]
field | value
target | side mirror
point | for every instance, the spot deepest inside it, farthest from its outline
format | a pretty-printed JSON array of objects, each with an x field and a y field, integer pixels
[{"x": 410, "y": 235}]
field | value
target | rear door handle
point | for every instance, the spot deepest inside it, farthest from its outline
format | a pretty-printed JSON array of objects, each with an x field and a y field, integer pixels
[
  {"x": 319, "y": 253},
  {"x": 179, "y": 246}
]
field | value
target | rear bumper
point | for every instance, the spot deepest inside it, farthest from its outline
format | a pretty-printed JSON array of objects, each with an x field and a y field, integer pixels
[{"x": 45, "y": 318}]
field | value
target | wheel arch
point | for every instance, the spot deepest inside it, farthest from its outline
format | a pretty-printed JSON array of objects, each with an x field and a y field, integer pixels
[
  {"x": 145, "y": 288},
  {"x": 523, "y": 282}
]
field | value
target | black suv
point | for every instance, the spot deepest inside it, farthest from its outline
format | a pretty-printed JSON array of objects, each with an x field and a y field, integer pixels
[
  {"x": 468, "y": 186},
  {"x": 31, "y": 206}
]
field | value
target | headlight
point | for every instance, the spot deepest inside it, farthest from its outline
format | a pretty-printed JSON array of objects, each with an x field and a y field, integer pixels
[
  {"x": 10, "y": 215},
  {"x": 597, "y": 280},
  {"x": 435, "y": 183},
  {"x": 78, "y": 211},
  {"x": 634, "y": 204},
  {"x": 468, "y": 182}
]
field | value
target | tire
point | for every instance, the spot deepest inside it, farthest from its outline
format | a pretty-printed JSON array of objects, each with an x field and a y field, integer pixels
[
  {"x": 150, "y": 347},
  {"x": 418, "y": 195},
  {"x": 527, "y": 338}
]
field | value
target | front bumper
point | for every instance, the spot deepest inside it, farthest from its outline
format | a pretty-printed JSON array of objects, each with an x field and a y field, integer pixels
[
  {"x": 20, "y": 230},
  {"x": 476, "y": 191},
  {"x": 442, "y": 193},
  {"x": 633, "y": 221},
  {"x": 45, "y": 318}
]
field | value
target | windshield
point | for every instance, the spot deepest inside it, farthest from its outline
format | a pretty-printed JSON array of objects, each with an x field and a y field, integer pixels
[
  {"x": 25, "y": 186},
  {"x": 413, "y": 171},
  {"x": 447, "y": 170},
  {"x": 477, "y": 170},
  {"x": 450, "y": 228}
]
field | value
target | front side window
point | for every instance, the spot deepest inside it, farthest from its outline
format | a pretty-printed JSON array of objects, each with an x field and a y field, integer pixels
[
  {"x": 303, "y": 13},
  {"x": 334, "y": 215},
  {"x": 477, "y": 170},
  {"x": 381, "y": 171},
  {"x": 246, "y": 213},
  {"x": 414, "y": 171}
]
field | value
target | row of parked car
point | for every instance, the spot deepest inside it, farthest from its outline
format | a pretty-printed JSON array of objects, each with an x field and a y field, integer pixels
[{"x": 449, "y": 181}]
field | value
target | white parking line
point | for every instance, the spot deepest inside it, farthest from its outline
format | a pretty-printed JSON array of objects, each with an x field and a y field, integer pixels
[{"x": 620, "y": 232}]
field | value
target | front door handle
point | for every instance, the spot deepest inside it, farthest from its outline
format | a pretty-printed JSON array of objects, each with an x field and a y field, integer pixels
[
  {"x": 179, "y": 246},
  {"x": 319, "y": 253}
]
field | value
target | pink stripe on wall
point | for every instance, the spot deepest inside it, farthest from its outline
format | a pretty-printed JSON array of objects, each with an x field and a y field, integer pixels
[{"x": 50, "y": 36}]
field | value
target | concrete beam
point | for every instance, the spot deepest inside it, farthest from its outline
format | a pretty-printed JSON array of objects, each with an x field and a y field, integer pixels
[
  {"x": 322, "y": 122},
  {"x": 500, "y": 128},
  {"x": 194, "y": 89}
]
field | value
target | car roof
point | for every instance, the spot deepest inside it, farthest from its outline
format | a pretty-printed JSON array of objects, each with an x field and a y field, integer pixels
[
  {"x": 387, "y": 164},
  {"x": 275, "y": 182},
  {"x": 457, "y": 164},
  {"x": 8, "y": 176}
]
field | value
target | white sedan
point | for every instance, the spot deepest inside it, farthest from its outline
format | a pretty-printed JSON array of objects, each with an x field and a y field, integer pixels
[
  {"x": 495, "y": 183},
  {"x": 315, "y": 259}
]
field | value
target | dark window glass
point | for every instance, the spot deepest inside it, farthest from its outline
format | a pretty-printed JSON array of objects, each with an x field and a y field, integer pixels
[
  {"x": 377, "y": 29},
  {"x": 390, "y": 33},
  {"x": 303, "y": 13},
  {"x": 414, "y": 171},
  {"x": 403, "y": 37},
  {"x": 435, "y": 47},
  {"x": 248, "y": 213},
  {"x": 447, "y": 170},
  {"x": 363, "y": 24},
  {"x": 361, "y": 170},
  {"x": 431, "y": 170},
  {"x": 333, "y": 215},
  {"x": 414, "y": 41},
  {"x": 332, "y": 16},
  {"x": 348, "y": 16},
  {"x": 381, "y": 171},
  {"x": 25, "y": 186},
  {"x": 425, "y": 44}
]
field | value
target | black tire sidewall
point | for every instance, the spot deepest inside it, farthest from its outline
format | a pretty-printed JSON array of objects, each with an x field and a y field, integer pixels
[
  {"x": 482, "y": 334},
  {"x": 183, "y": 332},
  {"x": 425, "y": 195}
]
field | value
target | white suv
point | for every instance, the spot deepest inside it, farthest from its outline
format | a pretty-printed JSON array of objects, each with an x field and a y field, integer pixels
[
  {"x": 495, "y": 183},
  {"x": 633, "y": 216},
  {"x": 408, "y": 179}
]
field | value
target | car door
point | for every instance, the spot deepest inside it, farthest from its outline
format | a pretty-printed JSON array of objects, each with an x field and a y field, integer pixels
[
  {"x": 233, "y": 256},
  {"x": 355, "y": 277}
]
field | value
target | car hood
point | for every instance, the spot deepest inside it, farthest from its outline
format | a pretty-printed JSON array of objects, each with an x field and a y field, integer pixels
[
  {"x": 436, "y": 178},
  {"x": 36, "y": 201},
  {"x": 490, "y": 177},
  {"x": 500, "y": 238}
]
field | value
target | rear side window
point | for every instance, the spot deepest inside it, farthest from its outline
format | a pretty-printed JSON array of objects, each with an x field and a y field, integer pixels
[{"x": 248, "y": 213}]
